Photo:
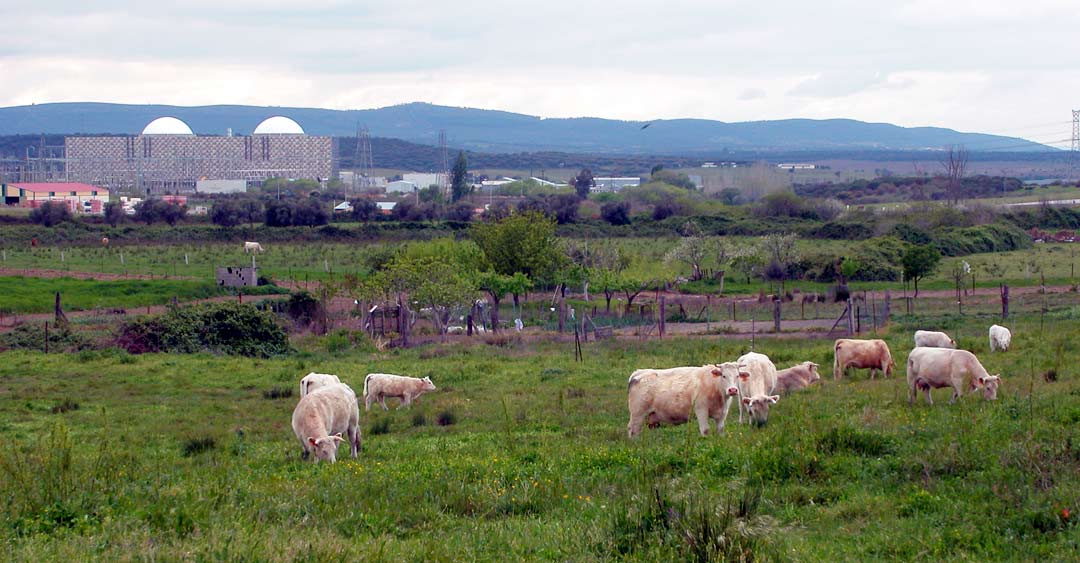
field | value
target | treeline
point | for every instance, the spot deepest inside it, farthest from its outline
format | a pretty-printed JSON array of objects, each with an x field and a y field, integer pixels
[{"x": 909, "y": 189}]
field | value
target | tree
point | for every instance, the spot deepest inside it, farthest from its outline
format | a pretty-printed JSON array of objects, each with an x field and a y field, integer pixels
[
  {"x": 251, "y": 211},
  {"x": 918, "y": 262},
  {"x": 497, "y": 286},
  {"x": 955, "y": 164},
  {"x": 226, "y": 214},
  {"x": 51, "y": 213},
  {"x": 583, "y": 183},
  {"x": 780, "y": 253},
  {"x": 522, "y": 242},
  {"x": 673, "y": 178},
  {"x": 364, "y": 210},
  {"x": 616, "y": 212},
  {"x": 154, "y": 210},
  {"x": 691, "y": 250},
  {"x": 730, "y": 196},
  {"x": 114, "y": 213},
  {"x": 459, "y": 184}
]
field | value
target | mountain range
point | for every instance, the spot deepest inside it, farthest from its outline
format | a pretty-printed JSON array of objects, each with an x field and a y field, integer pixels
[{"x": 499, "y": 131}]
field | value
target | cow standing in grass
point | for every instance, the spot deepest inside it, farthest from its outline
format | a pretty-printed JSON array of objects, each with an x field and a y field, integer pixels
[
  {"x": 796, "y": 377},
  {"x": 669, "y": 396},
  {"x": 757, "y": 380},
  {"x": 313, "y": 381},
  {"x": 862, "y": 354},
  {"x": 379, "y": 386},
  {"x": 934, "y": 368},
  {"x": 322, "y": 416},
  {"x": 252, "y": 247},
  {"x": 933, "y": 339},
  {"x": 1000, "y": 338}
]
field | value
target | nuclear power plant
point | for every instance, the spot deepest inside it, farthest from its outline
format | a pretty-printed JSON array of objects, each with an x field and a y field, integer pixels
[{"x": 167, "y": 157}]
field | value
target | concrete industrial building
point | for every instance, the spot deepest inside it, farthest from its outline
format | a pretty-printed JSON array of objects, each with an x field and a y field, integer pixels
[
  {"x": 167, "y": 157},
  {"x": 80, "y": 198}
]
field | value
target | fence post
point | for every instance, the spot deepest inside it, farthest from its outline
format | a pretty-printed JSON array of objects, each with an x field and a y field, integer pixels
[
  {"x": 1004, "y": 301},
  {"x": 708, "y": 305},
  {"x": 663, "y": 314},
  {"x": 776, "y": 314},
  {"x": 562, "y": 314},
  {"x": 888, "y": 307},
  {"x": 850, "y": 320},
  {"x": 46, "y": 337}
]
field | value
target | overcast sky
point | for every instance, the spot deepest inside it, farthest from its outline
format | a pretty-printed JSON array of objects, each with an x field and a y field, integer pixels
[{"x": 991, "y": 66}]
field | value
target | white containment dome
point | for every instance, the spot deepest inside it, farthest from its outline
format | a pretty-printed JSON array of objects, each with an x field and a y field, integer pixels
[
  {"x": 167, "y": 126},
  {"x": 278, "y": 125}
]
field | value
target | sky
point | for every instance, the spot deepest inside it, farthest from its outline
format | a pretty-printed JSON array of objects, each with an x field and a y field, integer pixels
[{"x": 988, "y": 66}]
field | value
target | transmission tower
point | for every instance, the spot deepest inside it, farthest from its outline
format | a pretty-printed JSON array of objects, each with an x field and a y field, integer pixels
[
  {"x": 1076, "y": 131},
  {"x": 444, "y": 160},
  {"x": 363, "y": 164}
]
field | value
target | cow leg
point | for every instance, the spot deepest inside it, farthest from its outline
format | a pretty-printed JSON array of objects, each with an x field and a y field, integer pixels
[
  {"x": 929, "y": 399},
  {"x": 406, "y": 400},
  {"x": 702, "y": 413},
  {"x": 382, "y": 401},
  {"x": 633, "y": 428},
  {"x": 955, "y": 394},
  {"x": 912, "y": 393},
  {"x": 367, "y": 402},
  {"x": 354, "y": 439}
]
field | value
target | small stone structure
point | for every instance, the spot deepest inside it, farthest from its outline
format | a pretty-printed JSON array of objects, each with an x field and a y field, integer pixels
[{"x": 237, "y": 277}]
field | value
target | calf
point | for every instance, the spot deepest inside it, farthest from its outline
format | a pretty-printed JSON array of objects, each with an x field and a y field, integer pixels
[
  {"x": 668, "y": 396},
  {"x": 796, "y": 377},
  {"x": 322, "y": 416},
  {"x": 757, "y": 380},
  {"x": 932, "y": 339},
  {"x": 313, "y": 381},
  {"x": 933, "y": 368},
  {"x": 1000, "y": 338},
  {"x": 379, "y": 386},
  {"x": 861, "y": 354}
]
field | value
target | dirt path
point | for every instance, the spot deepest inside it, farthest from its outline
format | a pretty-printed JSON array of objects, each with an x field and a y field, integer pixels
[{"x": 103, "y": 276}]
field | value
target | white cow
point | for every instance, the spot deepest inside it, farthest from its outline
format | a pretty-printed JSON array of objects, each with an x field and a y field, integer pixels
[
  {"x": 322, "y": 416},
  {"x": 933, "y": 339},
  {"x": 379, "y": 386},
  {"x": 757, "y": 380},
  {"x": 252, "y": 247},
  {"x": 668, "y": 396},
  {"x": 933, "y": 368},
  {"x": 313, "y": 381},
  {"x": 796, "y": 377},
  {"x": 1000, "y": 338}
]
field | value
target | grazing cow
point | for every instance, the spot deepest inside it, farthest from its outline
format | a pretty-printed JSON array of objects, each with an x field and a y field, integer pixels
[
  {"x": 668, "y": 396},
  {"x": 1000, "y": 338},
  {"x": 379, "y": 386},
  {"x": 322, "y": 416},
  {"x": 933, "y": 339},
  {"x": 757, "y": 380},
  {"x": 796, "y": 377},
  {"x": 313, "y": 381},
  {"x": 862, "y": 354},
  {"x": 933, "y": 368},
  {"x": 105, "y": 242},
  {"x": 252, "y": 247}
]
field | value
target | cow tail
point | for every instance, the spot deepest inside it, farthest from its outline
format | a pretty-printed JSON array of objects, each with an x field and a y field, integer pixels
[{"x": 365, "y": 384}]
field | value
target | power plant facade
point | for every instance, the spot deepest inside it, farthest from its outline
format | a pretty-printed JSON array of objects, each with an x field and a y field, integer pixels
[{"x": 167, "y": 157}]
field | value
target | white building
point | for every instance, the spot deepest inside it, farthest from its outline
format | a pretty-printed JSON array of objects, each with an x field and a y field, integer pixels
[
  {"x": 425, "y": 179},
  {"x": 614, "y": 184},
  {"x": 793, "y": 166},
  {"x": 401, "y": 187},
  {"x": 221, "y": 186}
]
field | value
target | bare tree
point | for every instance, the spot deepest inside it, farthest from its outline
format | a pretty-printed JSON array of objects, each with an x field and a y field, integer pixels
[{"x": 955, "y": 164}]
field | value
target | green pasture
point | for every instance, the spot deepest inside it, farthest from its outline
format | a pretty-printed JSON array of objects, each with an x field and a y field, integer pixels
[
  {"x": 36, "y": 295},
  {"x": 522, "y": 456}
]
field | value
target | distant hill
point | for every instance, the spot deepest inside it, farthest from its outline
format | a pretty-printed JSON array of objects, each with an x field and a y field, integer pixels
[{"x": 500, "y": 132}]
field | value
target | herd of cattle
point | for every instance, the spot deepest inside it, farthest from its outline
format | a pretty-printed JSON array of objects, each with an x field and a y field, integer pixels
[
  {"x": 328, "y": 409},
  {"x": 668, "y": 396},
  {"x": 328, "y": 413}
]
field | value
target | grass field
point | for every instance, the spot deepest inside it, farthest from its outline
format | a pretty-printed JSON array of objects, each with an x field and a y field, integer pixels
[
  {"x": 522, "y": 455},
  {"x": 314, "y": 261},
  {"x": 36, "y": 295}
]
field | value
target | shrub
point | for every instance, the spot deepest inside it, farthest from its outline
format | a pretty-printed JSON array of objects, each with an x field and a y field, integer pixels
[
  {"x": 849, "y": 440},
  {"x": 228, "y": 328},
  {"x": 277, "y": 393},
  {"x": 380, "y": 426},
  {"x": 197, "y": 446},
  {"x": 446, "y": 418},
  {"x": 50, "y": 213},
  {"x": 65, "y": 406},
  {"x": 31, "y": 336},
  {"x": 616, "y": 212}
]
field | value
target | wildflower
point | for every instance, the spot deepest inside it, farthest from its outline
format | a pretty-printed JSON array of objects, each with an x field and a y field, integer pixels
[{"x": 1065, "y": 513}]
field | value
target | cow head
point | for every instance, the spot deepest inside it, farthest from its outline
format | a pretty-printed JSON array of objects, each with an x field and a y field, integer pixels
[
  {"x": 325, "y": 448},
  {"x": 726, "y": 375},
  {"x": 812, "y": 368},
  {"x": 428, "y": 385},
  {"x": 990, "y": 386},
  {"x": 759, "y": 408},
  {"x": 744, "y": 371},
  {"x": 952, "y": 343}
]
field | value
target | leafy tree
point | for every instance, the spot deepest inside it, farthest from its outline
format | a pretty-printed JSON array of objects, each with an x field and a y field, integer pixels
[
  {"x": 114, "y": 213},
  {"x": 310, "y": 212},
  {"x": 51, "y": 213},
  {"x": 691, "y": 249},
  {"x": 459, "y": 184},
  {"x": 780, "y": 254},
  {"x": 730, "y": 196},
  {"x": 918, "y": 262},
  {"x": 616, "y": 212},
  {"x": 522, "y": 242},
  {"x": 583, "y": 183},
  {"x": 226, "y": 213},
  {"x": 498, "y": 285},
  {"x": 251, "y": 211},
  {"x": 279, "y": 214},
  {"x": 155, "y": 210},
  {"x": 364, "y": 210},
  {"x": 673, "y": 178},
  {"x": 460, "y": 211}
]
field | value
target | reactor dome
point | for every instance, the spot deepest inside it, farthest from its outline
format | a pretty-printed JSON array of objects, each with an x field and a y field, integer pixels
[
  {"x": 278, "y": 125},
  {"x": 167, "y": 126}
]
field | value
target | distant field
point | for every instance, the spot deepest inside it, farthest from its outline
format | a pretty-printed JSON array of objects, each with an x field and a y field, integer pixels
[{"x": 36, "y": 295}]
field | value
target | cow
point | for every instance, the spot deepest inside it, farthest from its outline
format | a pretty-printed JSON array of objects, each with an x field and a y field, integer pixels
[
  {"x": 668, "y": 396},
  {"x": 252, "y": 247},
  {"x": 379, "y": 386},
  {"x": 933, "y": 368},
  {"x": 932, "y": 339},
  {"x": 322, "y": 416},
  {"x": 861, "y": 354},
  {"x": 105, "y": 242},
  {"x": 313, "y": 381},
  {"x": 1000, "y": 338},
  {"x": 796, "y": 377},
  {"x": 757, "y": 380}
]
